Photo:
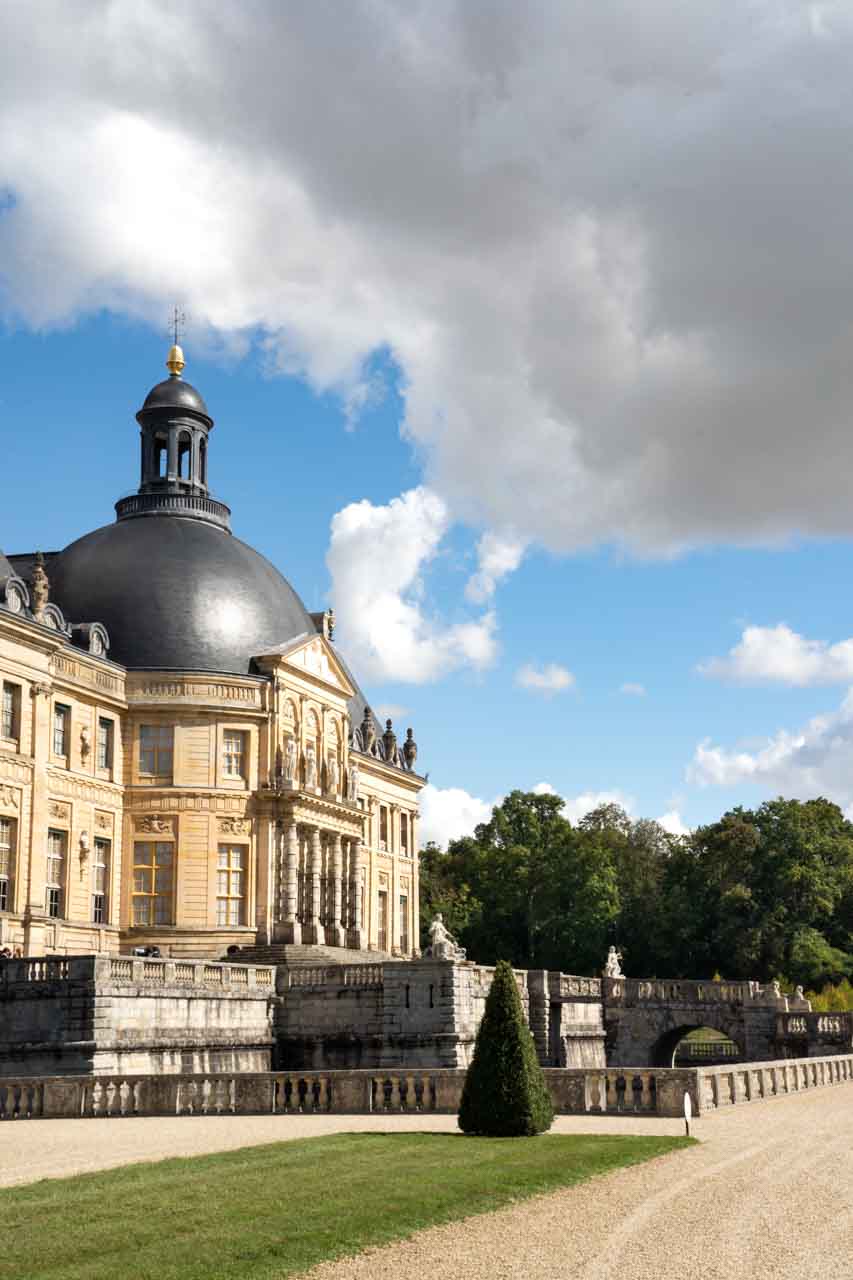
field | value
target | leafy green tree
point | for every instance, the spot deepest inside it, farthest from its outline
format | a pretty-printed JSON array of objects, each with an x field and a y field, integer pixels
[
  {"x": 528, "y": 886},
  {"x": 505, "y": 1094}
]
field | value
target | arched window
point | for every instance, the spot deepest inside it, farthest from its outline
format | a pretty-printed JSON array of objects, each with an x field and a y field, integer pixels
[
  {"x": 161, "y": 455},
  {"x": 185, "y": 445}
]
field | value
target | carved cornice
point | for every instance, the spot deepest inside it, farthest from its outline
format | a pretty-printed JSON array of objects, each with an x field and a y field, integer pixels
[
  {"x": 162, "y": 799},
  {"x": 65, "y": 667},
  {"x": 15, "y": 769},
  {"x": 105, "y": 794}
]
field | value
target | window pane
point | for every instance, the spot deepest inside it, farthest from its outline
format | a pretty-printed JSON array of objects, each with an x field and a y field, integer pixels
[
  {"x": 164, "y": 854},
  {"x": 143, "y": 853}
]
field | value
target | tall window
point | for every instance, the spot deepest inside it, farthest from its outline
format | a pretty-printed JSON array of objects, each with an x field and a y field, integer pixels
[
  {"x": 55, "y": 878},
  {"x": 155, "y": 748},
  {"x": 61, "y": 716},
  {"x": 383, "y": 826},
  {"x": 404, "y": 832},
  {"x": 100, "y": 881},
  {"x": 105, "y": 744},
  {"x": 404, "y": 923},
  {"x": 153, "y": 863},
  {"x": 233, "y": 750},
  {"x": 7, "y": 861},
  {"x": 230, "y": 893},
  {"x": 10, "y": 711},
  {"x": 383, "y": 920}
]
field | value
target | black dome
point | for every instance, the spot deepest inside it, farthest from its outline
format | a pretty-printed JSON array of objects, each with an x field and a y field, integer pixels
[
  {"x": 174, "y": 393},
  {"x": 177, "y": 593}
]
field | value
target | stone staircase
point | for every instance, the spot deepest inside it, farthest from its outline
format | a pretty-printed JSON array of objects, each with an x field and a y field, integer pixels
[{"x": 296, "y": 956}]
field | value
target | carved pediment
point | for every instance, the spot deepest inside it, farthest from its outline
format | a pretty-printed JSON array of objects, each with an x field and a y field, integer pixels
[{"x": 313, "y": 655}]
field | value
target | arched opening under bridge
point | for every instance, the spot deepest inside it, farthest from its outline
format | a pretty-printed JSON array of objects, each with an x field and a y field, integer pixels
[{"x": 696, "y": 1046}]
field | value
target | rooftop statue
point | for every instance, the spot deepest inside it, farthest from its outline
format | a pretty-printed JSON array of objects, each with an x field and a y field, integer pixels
[{"x": 613, "y": 964}]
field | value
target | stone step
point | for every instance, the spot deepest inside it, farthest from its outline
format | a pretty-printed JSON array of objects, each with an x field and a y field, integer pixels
[{"x": 295, "y": 956}]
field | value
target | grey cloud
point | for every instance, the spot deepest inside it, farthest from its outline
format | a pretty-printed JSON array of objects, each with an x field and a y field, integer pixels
[{"x": 612, "y": 255}]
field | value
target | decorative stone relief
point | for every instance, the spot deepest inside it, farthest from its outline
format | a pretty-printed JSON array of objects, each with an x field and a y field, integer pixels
[
  {"x": 154, "y": 823},
  {"x": 9, "y": 797},
  {"x": 104, "y": 821},
  {"x": 61, "y": 812},
  {"x": 85, "y": 742},
  {"x": 235, "y": 826},
  {"x": 84, "y": 847}
]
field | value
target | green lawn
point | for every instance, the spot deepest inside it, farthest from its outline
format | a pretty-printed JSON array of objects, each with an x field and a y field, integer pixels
[{"x": 277, "y": 1210}]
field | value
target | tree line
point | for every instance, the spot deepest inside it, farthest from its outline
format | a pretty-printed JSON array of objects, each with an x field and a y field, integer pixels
[{"x": 761, "y": 893}]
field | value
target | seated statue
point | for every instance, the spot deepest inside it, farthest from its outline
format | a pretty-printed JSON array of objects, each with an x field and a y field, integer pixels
[
  {"x": 443, "y": 945},
  {"x": 613, "y": 964}
]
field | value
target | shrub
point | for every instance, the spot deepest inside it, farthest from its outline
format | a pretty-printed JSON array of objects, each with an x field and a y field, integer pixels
[{"x": 505, "y": 1094}]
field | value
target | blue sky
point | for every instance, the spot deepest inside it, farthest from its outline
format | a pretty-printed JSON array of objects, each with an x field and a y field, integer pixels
[
  {"x": 287, "y": 460},
  {"x": 528, "y": 342}
]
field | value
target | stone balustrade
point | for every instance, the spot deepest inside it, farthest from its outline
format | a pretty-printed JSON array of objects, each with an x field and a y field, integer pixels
[
  {"x": 648, "y": 1092},
  {"x": 350, "y": 975},
  {"x": 637, "y": 990},
  {"x": 135, "y": 971},
  {"x": 725, "y": 1086}
]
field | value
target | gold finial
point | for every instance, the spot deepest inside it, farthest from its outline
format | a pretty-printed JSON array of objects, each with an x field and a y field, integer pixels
[{"x": 175, "y": 361}]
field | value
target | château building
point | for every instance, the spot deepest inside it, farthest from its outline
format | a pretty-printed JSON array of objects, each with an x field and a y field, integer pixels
[{"x": 186, "y": 760}]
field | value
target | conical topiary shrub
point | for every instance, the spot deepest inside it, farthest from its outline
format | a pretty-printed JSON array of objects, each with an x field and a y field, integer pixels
[{"x": 505, "y": 1094}]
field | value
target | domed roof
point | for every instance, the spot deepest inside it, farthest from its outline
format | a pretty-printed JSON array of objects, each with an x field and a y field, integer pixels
[
  {"x": 177, "y": 593},
  {"x": 174, "y": 393}
]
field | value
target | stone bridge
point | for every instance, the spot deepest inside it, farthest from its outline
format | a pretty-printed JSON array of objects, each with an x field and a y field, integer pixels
[{"x": 644, "y": 1019}]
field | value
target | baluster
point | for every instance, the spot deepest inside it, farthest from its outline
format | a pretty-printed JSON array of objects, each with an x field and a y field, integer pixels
[
  {"x": 323, "y": 1094},
  {"x": 111, "y": 1097},
  {"x": 123, "y": 1094},
  {"x": 395, "y": 1103},
  {"x": 645, "y": 1091}
]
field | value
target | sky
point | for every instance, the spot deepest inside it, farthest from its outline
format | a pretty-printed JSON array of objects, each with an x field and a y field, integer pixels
[{"x": 528, "y": 333}]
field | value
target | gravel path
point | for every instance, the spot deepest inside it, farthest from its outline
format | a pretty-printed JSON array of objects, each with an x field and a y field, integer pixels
[
  {"x": 768, "y": 1196},
  {"x": 33, "y": 1149}
]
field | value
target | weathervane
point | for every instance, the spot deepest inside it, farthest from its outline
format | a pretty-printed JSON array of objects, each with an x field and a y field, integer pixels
[
  {"x": 177, "y": 324},
  {"x": 175, "y": 359}
]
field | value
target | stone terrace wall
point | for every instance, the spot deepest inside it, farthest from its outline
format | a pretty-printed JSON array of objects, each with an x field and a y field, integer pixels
[{"x": 113, "y": 1013}]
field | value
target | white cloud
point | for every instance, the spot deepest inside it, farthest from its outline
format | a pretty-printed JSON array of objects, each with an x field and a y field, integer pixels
[
  {"x": 673, "y": 823},
  {"x": 548, "y": 679},
  {"x": 450, "y": 812},
  {"x": 390, "y": 711},
  {"x": 377, "y": 556},
  {"x": 778, "y": 654},
  {"x": 514, "y": 204},
  {"x": 816, "y": 760},
  {"x": 634, "y": 690},
  {"x": 498, "y": 555}
]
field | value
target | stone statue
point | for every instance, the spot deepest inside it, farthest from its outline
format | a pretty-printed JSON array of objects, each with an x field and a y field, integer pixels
[
  {"x": 310, "y": 765},
  {"x": 289, "y": 762},
  {"x": 389, "y": 742},
  {"x": 443, "y": 945},
  {"x": 333, "y": 773},
  {"x": 798, "y": 1000},
  {"x": 40, "y": 585},
  {"x": 410, "y": 750},
  {"x": 352, "y": 790},
  {"x": 613, "y": 964}
]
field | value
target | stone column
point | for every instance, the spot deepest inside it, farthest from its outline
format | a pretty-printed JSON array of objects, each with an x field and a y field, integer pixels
[
  {"x": 312, "y": 930},
  {"x": 172, "y": 455},
  {"x": 41, "y": 731},
  {"x": 335, "y": 934},
  {"x": 288, "y": 928},
  {"x": 356, "y": 931}
]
